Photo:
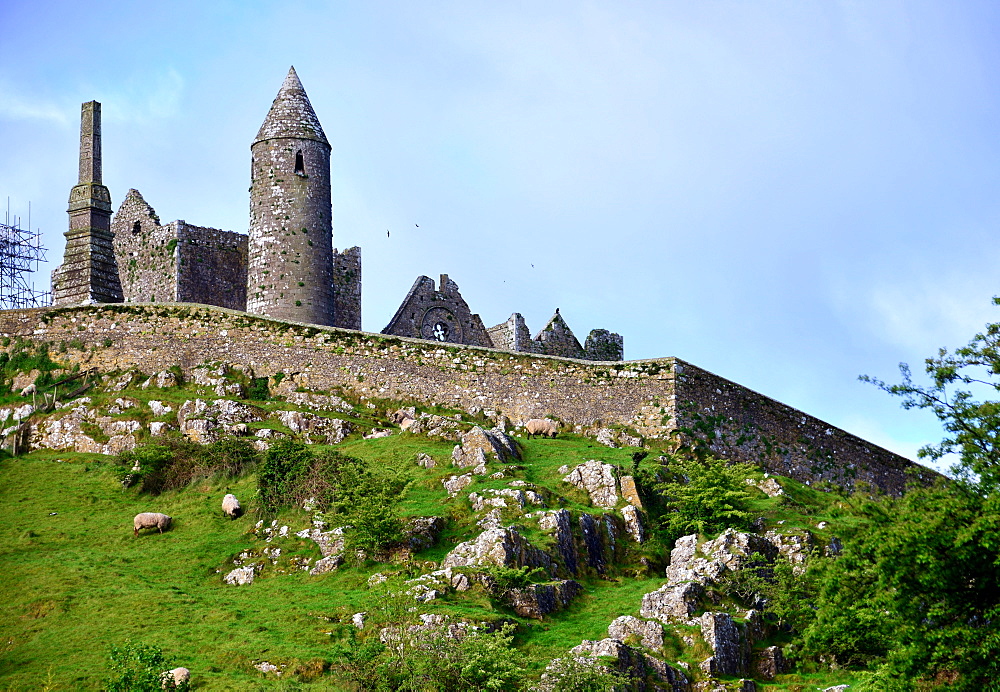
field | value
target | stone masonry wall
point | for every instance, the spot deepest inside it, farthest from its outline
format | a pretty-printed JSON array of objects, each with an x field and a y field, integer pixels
[
  {"x": 742, "y": 425},
  {"x": 146, "y": 252},
  {"x": 655, "y": 397},
  {"x": 177, "y": 262},
  {"x": 212, "y": 266},
  {"x": 347, "y": 288}
]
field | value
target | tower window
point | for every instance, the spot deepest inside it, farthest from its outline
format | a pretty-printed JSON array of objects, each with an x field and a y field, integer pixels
[
  {"x": 300, "y": 167},
  {"x": 136, "y": 228}
]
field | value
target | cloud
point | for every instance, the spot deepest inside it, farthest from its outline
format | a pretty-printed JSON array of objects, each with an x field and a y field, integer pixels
[
  {"x": 154, "y": 97},
  {"x": 15, "y": 106}
]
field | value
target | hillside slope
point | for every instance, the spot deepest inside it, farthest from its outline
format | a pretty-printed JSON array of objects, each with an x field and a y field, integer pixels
[{"x": 78, "y": 582}]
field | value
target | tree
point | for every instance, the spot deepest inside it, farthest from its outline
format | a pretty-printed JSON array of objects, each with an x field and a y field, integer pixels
[
  {"x": 971, "y": 425},
  {"x": 705, "y": 495}
]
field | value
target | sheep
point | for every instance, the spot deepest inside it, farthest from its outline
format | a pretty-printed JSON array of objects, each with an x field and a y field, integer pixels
[
  {"x": 541, "y": 426},
  {"x": 150, "y": 520},
  {"x": 230, "y": 506},
  {"x": 176, "y": 678},
  {"x": 30, "y": 389}
]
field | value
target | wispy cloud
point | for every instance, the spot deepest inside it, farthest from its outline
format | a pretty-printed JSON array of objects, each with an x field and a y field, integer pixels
[
  {"x": 16, "y": 106},
  {"x": 152, "y": 98}
]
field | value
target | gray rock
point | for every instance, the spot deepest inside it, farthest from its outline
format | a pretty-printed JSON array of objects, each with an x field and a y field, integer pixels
[
  {"x": 629, "y": 661},
  {"x": 202, "y": 421},
  {"x": 793, "y": 547},
  {"x": 478, "y": 444},
  {"x": 724, "y": 638},
  {"x": 633, "y": 523},
  {"x": 332, "y": 430},
  {"x": 504, "y": 547},
  {"x": 319, "y": 402},
  {"x": 590, "y": 528},
  {"x": 241, "y": 576},
  {"x": 558, "y": 521},
  {"x": 457, "y": 484},
  {"x": 538, "y": 600},
  {"x": 491, "y": 520},
  {"x": 606, "y": 436},
  {"x": 423, "y": 532},
  {"x": 463, "y": 459},
  {"x": 769, "y": 663},
  {"x": 672, "y": 601},
  {"x": 598, "y": 480},
  {"x": 425, "y": 461},
  {"x": 649, "y": 633},
  {"x": 675, "y": 679}
]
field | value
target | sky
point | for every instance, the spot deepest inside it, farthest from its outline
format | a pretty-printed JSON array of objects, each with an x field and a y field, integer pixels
[{"x": 788, "y": 194}]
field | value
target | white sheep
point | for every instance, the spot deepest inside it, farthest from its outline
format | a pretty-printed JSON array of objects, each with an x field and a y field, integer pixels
[
  {"x": 231, "y": 506},
  {"x": 172, "y": 679},
  {"x": 151, "y": 520},
  {"x": 30, "y": 389},
  {"x": 541, "y": 426}
]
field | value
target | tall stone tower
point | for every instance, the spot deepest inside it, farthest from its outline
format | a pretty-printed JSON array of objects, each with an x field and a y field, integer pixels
[
  {"x": 290, "y": 273},
  {"x": 89, "y": 273}
]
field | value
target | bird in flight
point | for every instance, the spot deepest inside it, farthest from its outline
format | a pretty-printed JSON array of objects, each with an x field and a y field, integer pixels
[
  {"x": 387, "y": 233},
  {"x": 417, "y": 225}
]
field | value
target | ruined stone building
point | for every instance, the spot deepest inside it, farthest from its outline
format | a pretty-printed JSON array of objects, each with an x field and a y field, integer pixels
[{"x": 286, "y": 267}]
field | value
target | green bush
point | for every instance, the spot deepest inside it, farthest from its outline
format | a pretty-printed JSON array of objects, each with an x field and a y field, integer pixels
[
  {"x": 340, "y": 486},
  {"x": 174, "y": 462},
  {"x": 139, "y": 668},
  {"x": 571, "y": 674},
  {"x": 705, "y": 495}
]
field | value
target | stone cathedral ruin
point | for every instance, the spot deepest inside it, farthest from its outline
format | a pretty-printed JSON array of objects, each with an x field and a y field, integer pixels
[
  {"x": 283, "y": 303},
  {"x": 286, "y": 267}
]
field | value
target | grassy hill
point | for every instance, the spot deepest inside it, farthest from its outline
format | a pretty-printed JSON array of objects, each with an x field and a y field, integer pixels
[{"x": 76, "y": 581}]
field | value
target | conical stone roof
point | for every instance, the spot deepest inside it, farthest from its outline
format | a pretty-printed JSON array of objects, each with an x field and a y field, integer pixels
[{"x": 291, "y": 114}]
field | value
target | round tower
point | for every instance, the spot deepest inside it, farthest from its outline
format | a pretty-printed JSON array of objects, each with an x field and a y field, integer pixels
[{"x": 290, "y": 272}]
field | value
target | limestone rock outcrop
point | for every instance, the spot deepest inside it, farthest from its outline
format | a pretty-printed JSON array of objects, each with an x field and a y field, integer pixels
[
  {"x": 204, "y": 421},
  {"x": 648, "y": 632},
  {"x": 330, "y": 431},
  {"x": 598, "y": 480},
  {"x": 538, "y": 600},
  {"x": 729, "y": 650},
  {"x": 504, "y": 547}
]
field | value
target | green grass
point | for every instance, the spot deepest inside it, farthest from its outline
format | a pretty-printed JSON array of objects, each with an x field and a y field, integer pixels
[{"x": 76, "y": 581}]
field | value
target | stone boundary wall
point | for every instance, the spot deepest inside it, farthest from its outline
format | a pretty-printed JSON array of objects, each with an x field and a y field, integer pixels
[
  {"x": 639, "y": 394},
  {"x": 742, "y": 425}
]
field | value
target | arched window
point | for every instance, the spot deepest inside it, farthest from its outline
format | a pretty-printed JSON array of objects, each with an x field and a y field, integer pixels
[
  {"x": 136, "y": 228},
  {"x": 300, "y": 167}
]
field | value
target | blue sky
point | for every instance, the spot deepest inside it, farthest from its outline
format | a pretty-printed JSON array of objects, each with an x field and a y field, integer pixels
[{"x": 788, "y": 194}]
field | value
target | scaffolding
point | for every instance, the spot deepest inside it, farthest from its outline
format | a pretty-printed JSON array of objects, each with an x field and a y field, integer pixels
[{"x": 21, "y": 252}]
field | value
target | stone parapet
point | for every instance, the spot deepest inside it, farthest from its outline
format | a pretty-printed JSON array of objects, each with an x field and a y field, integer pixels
[{"x": 658, "y": 398}]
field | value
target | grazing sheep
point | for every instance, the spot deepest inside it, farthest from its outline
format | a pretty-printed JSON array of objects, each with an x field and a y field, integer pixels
[
  {"x": 30, "y": 389},
  {"x": 541, "y": 426},
  {"x": 231, "y": 506},
  {"x": 172, "y": 679},
  {"x": 150, "y": 520}
]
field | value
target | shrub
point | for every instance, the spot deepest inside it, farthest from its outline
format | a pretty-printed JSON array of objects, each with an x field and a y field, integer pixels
[
  {"x": 174, "y": 462},
  {"x": 339, "y": 485},
  {"x": 705, "y": 495},
  {"x": 139, "y": 668},
  {"x": 580, "y": 674}
]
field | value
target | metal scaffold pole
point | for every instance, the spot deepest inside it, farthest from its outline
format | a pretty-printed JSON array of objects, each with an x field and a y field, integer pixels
[{"x": 21, "y": 252}]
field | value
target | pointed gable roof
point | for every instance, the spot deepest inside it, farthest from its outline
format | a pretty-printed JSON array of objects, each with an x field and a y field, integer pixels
[{"x": 291, "y": 114}]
